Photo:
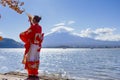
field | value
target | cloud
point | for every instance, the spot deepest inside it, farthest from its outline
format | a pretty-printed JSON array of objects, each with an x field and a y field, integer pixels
[
  {"x": 109, "y": 37},
  {"x": 70, "y": 22},
  {"x": 60, "y": 28},
  {"x": 104, "y": 31},
  {"x": 65, "y": 23},
  {"x": 87, "y": 33},
  {"x": 106, "y": 34},
  {"x": 59, "y": 24}
]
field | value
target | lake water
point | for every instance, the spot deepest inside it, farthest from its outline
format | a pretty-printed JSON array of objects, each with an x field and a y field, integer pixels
[{"x": 85, "y": 64}]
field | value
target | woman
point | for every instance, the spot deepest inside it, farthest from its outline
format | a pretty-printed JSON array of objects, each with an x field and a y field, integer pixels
[{"x": 32, "y": 38}]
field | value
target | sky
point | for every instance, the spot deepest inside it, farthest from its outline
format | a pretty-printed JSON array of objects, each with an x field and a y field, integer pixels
[{"x": 98, "y": 19}]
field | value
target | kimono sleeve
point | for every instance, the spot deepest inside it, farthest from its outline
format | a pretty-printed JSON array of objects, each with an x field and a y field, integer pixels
[{"x": 26, "y": 36}]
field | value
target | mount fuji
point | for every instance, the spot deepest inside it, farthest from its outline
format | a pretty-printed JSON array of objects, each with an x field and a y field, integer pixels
[{"x": 62, "y": 37}]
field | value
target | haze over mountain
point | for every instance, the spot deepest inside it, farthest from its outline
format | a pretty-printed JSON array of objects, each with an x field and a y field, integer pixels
[
  {"x": 10, "y": 43},
  {"x": 65, "y": 37},
  {"x": 62, "y": 36}
]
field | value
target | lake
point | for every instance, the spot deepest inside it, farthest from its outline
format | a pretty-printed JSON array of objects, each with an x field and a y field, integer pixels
[{"x": 80, "y": 63}]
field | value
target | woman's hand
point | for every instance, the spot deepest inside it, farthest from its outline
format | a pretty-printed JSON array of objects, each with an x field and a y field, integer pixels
[{"x": 30, "y": 17}]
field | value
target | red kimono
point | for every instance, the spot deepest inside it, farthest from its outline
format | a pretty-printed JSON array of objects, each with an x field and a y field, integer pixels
[{"x": 32, "y": 38}]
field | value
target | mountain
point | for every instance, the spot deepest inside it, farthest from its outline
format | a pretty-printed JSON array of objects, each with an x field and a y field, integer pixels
[
  {"x": 63, "y": 39},
  {"x": 10, "y": 43}
]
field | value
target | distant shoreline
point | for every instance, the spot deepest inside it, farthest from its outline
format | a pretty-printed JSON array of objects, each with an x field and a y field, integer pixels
[{"x": 67, "y": 48}]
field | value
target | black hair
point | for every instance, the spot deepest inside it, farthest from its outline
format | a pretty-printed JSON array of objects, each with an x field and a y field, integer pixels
[{"x": 37, "y": 18}]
